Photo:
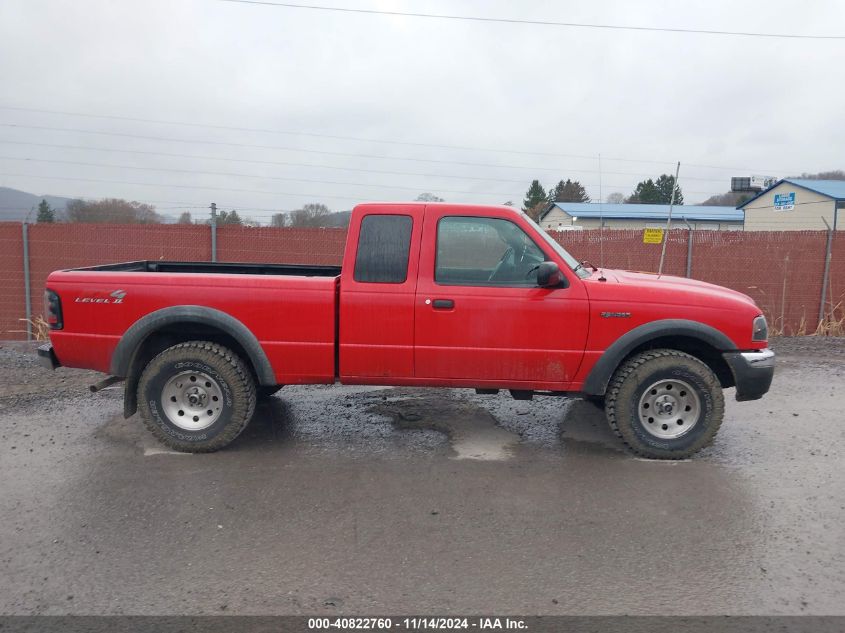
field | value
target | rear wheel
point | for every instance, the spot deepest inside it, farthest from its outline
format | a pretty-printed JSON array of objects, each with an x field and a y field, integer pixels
[
  {"x": 196, "y": 397},
  {"x": 665, "y": 404}
]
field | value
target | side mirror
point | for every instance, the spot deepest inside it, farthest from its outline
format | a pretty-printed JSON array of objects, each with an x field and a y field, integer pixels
[{"x": 548, "y": 275}]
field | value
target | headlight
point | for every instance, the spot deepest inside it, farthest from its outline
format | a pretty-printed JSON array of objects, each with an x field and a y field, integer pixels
[{"x": 760, "y": 330}]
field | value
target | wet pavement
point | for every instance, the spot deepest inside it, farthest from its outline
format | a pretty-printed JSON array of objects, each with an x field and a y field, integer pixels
[{"x": 341, "y": 500}]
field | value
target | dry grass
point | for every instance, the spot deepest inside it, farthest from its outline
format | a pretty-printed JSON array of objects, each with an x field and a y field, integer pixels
[
  {"x": 833, "y": 324},
  {"x": 40, "y": 328}
]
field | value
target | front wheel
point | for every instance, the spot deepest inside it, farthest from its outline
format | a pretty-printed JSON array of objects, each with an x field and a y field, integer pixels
[
  {"x": 665, "y": 404},
  {"x": 196, "y": 397}
]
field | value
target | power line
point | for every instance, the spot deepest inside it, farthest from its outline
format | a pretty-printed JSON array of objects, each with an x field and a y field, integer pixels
[
  {"x": 278, "y": 147},
  {"x": 318, "y": 181},
  {"x": 279, "y": 193},
  {"x": 299, "y": 133},
  {"x": 328, "y": 153},
  {"x": 265, "y": 162},
  {"x": 580, "y": 25},
  {"x": 381, "y": 141},
  {"x": 243, "y": 175},
  {"x": 163, "y": 185},
  {"x": 258, "y": 162}
]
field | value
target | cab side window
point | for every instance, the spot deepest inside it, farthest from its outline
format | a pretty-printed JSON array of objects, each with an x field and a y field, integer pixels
[
  {"x": 474, "y": 251},
  {"x": 383, "y": 247}
]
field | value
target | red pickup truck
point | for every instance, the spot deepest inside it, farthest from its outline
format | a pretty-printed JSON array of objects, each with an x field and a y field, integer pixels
[{"x": 436, "y": 295}]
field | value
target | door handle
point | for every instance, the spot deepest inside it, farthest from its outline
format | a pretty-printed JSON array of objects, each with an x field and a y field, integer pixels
[{"x": 443, "y": 304}]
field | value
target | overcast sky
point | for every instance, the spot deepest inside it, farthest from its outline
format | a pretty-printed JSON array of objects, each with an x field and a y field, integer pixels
[{"x": 524, "y": 101}]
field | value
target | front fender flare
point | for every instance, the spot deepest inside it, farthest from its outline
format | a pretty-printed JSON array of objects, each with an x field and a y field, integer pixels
[{"x": 602, "y": 371}]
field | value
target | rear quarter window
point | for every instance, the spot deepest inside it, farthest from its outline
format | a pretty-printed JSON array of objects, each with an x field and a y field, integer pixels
[{"x": 383, "y": 247}]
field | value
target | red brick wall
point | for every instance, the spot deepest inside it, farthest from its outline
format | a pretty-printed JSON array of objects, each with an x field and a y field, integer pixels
[{"x": 760, "y": 264}]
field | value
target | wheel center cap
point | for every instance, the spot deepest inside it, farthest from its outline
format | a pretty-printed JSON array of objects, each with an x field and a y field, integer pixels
[
  {"x": 196, "y": 397},
  {"x": 665, "y": 405}
]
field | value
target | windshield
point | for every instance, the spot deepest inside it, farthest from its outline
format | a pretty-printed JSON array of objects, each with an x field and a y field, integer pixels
[{"x": 560, "y": 250}]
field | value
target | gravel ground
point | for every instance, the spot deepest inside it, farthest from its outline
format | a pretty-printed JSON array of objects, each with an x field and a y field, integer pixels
[{"x": 369, "y": 500}]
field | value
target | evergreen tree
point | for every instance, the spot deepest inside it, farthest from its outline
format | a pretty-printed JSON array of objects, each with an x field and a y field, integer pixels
[
  {"x": 569, "y": 191},
  {"x": 534, "y": 196},
  {"x": 228, "y": 217},
  {"x": 45, "y": 212},
  {"x": 659, "y": 192},
  {"x": 664, "y": 185}
]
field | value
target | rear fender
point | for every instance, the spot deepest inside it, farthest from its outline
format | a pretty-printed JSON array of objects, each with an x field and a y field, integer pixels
[{"x": 126, "y": 352}]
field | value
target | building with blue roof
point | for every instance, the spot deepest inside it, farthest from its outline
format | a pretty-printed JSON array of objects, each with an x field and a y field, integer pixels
[
  {"x": 796, "y": 204},
  {"x": 566, "y": 216}
]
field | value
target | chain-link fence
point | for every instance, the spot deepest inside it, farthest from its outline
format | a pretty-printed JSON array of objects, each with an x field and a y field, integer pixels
[{"x": 782, "y": 271}]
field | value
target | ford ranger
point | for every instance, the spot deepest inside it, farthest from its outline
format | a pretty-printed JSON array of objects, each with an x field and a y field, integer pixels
[{"x": 430, "y": 295}]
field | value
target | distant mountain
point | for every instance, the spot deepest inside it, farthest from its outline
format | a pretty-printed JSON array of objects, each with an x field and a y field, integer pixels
[{"x": 16, "y": 205}]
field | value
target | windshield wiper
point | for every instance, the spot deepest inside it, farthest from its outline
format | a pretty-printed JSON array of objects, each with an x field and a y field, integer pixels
[{"x": 583, "y": 264}]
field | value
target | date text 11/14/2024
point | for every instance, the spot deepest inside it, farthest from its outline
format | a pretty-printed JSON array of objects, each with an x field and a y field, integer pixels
[{"x": 418, "y": 623}]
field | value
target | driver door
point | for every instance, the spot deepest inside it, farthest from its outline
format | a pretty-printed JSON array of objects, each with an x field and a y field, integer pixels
[{"x": 479, "y": 314}]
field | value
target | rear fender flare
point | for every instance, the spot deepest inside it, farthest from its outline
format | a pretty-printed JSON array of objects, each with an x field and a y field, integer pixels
[
  {"x": 602, "y": 371},
  {"x": 138, "y": 332}
]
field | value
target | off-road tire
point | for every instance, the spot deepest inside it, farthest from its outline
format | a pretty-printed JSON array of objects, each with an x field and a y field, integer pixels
[
  {"x": 231, "y": 375},
  {"x": 636, "y": 375}
]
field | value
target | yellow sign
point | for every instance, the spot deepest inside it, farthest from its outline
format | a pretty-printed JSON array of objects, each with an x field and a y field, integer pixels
[{"x": 653, "y": 236}]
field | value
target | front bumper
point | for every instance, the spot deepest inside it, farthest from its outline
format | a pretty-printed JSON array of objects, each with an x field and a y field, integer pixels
[
  {"x": 47, "y": 357},
  {"x": 752, "y": 371}
]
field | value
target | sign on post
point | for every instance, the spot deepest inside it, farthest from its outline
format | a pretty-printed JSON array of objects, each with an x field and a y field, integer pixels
[
  {"x": 653, "y": 236},
  {"x": 785, "y": 201}
]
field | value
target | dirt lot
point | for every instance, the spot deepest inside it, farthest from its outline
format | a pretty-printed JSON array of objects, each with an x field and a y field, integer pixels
[{"x": 339, "y": 500}]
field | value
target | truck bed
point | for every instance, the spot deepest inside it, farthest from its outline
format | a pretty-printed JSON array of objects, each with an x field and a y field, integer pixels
[
  {"x": 220, "y": 268},
  {"x": 290, "y": 309}
]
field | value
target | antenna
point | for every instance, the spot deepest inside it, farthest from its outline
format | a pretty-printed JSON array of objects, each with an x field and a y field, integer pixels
[
  {"x": 669, "y": 218},
  {"x": 601, "y": 219}
]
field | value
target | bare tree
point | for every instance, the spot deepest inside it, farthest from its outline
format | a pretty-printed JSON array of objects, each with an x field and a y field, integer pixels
[
  {"x": 113, "y": 210},
  {"x": 429, "y": 197},
  {"x": 279, "y": 220},
  {"x": 185, "y": 218},
  {"x": 617, "y": 197},
  {"x": 729, "y": 199},
  {"x": 836, "y": 174},
  {"x": 535, "y": 211},
  {"x": 313, "y": 214}
]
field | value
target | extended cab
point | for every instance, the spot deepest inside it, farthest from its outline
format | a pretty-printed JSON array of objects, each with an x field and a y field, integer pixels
[{"x": 434, "y": 295}]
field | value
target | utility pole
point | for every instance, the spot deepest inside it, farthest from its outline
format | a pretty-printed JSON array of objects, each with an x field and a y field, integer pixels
[
  {"x": 826, "y": 273},
  {"x": 601, "y": 219},
  {"x": 27, "y": 285},
  {"x": 669, "y": 219},
  {"x": 689, "y": 247},
  {"x": 213, "y": 231}
]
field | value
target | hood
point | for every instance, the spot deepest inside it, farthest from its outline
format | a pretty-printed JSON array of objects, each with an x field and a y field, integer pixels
[{"x": 667, "y": 289}]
